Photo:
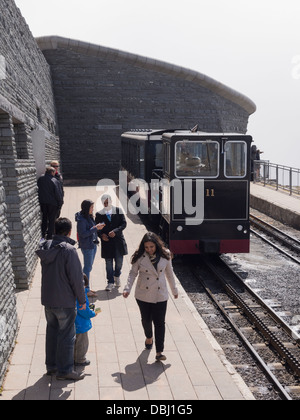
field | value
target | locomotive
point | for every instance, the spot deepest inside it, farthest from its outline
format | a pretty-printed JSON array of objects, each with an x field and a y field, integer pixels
[{"x": 196, "y": 185}]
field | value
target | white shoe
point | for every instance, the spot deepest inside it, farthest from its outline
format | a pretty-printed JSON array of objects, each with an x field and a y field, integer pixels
[
  {"x": 109, "y": 287},
  {"x": 117, "y": 282}
]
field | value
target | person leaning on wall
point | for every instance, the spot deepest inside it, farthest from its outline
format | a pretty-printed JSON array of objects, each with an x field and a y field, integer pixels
[
  {"x": 50, "y": 199},
  {"x": 55, "y": 164}
]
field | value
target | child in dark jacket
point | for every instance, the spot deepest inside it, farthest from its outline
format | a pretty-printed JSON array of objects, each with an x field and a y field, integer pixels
[{"x": 83, "y": 324}]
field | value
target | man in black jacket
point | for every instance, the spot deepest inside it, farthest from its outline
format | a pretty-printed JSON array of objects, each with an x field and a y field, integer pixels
[
  {"x": 62, "y": 284},
  {"x": 51, "y": 200},
  {"x": 59, "y": 178},
  {"x": 113, "y": 244}
]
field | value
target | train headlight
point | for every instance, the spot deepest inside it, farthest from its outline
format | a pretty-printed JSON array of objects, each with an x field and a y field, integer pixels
[
  {"x": 240, "y": 228},
  {"x": 179, "y": 228}
]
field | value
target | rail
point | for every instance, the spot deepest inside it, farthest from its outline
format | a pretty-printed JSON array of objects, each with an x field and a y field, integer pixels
[
  {"x": 277, "y": 236},
  {"x": 278, "y": 176},
  {"x": 261, "y": 317}
]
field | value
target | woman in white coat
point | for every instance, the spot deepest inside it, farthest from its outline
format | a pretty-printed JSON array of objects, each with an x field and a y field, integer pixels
[{"x": 152, "y": 264}]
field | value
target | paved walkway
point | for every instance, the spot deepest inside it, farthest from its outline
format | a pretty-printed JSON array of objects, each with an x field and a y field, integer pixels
[
  {"x": 121, "y": 369},
  {"x": 277, "y": 204}
]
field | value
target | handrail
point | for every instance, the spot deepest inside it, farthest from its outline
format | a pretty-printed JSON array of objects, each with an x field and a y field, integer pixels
[{"x": 278, "y": 176}]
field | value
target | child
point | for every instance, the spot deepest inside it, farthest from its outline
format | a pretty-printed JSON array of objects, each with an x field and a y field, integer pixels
[{"x": 83, "y": 325}]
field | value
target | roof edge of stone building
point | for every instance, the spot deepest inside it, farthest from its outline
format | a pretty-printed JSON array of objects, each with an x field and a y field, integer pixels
[{"x": 57, "y": 42}]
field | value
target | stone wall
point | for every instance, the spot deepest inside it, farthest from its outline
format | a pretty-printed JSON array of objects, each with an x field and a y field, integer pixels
[
  {"x": 101, "y": 93},
  {"x": 27, "y": 85},
  {"x": 8, "y": 316},
  {"x": 26, "y": 107}
]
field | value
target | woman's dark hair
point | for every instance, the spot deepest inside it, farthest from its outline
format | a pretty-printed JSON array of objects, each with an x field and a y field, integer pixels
[
  {"x": 85, "y": 208},
  {"x": 161, "y": 250}
]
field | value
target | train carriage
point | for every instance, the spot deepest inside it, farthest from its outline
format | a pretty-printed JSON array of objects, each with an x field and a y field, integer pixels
[
  {"x": 142, "y": 153},
  {"x": 198, "y": 185}
]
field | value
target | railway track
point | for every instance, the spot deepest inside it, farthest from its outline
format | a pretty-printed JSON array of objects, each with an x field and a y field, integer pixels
[
  {"x": 284, "y": 243},
  {"x": 267, "y": 338}
]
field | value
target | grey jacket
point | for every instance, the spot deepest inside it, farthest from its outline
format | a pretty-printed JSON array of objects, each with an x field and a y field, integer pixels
[
  {"x": 151, "y": 285},
  {"x": 62, "y": 276}
]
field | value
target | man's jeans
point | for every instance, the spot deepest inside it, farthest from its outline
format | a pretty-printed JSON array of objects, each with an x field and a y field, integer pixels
[
  {"x": 110, "y": 271},
  {"x": 88, "y": 258},
  {"x": 60, "y": 339}
]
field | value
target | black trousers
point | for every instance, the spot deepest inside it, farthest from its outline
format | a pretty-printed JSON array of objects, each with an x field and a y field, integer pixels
[
  {"x": 154, "y": 313},
  {"x": 49, "y": 215}
]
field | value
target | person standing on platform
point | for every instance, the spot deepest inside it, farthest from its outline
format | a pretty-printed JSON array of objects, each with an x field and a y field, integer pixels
[
  {"x": 83, "y": 324},
  {"x": 62, "y": 284},
  {"x": 255, "y": 156},
  {"x": 113, "y": 244},
  {"x": 58, "y": 176},
  {"x": 55, "y": 164},
  {"x": 50, "y": 199},
  {"x": 152, "y": 264},
  {"x": 87, "y": 237}
]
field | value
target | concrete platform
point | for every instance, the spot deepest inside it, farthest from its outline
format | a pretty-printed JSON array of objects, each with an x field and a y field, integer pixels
[
  {"x": 277, "y": 204},
  {"x": 121, "y": 369}
]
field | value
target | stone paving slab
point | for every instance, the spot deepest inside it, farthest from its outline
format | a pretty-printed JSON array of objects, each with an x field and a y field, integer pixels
[{"x": 121, "y": 369}]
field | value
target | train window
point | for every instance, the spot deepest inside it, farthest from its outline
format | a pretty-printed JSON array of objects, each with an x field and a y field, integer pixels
[
  {"x": 198, "y": 159},
  {"x": 159, "y": 155},
  {"x": 134, "y": 159},
  {"x": 156, "y": 154},
  {"x": 167, "y": 158},
  {"x": 235, "y": 159},
  {"x": 142, "y": 162}
]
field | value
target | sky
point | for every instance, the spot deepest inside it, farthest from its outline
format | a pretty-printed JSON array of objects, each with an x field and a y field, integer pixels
[{"x": 250, "y": 46}]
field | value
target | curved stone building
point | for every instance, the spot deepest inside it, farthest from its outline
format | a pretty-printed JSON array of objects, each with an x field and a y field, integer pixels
[
  {"x": 101, "y": 92},
  {"x": 69, "y": 100}
]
